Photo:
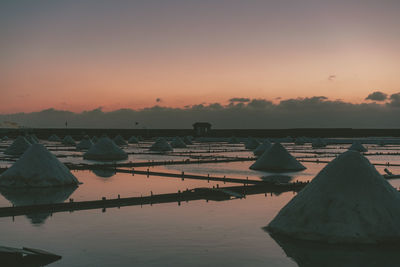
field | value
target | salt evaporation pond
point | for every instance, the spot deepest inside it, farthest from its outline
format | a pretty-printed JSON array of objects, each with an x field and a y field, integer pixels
[{"x": 195, "y": 233}]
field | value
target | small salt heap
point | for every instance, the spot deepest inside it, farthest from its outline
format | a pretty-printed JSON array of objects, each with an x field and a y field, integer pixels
[
  {"x": 277, "y": 159},
  {"x": 18, "y": 147},
  {"x": 105, "y": 149}
]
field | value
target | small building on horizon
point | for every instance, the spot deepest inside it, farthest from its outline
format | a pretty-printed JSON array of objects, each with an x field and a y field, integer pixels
[{"x": 201, "y": 128}]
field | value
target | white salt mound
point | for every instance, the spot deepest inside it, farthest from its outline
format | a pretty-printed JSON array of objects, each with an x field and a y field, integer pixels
[
  {"x": 262, "y": 148},
  {"x": 119, "y": 140},
  {"x": 161, "y": 145},
  {"x": 278, "y": 159},
  {"x": 357, "y": 146},
  {"x": 68, "y": 140},
  {"x": 133, "y": 140},
  {"x": 347, "y": 202},
  {"x": 187, "y": 140},
  {"x": 31, "y": 139},
  {"x": 85, "y": 143},
  {"x": 105, "y": 149},
  {"x": 37, "y": 167},
  {"x": 251, "y": 143},
  {"x": 178, "y": 143},
  {"x": 54, "y": 138},
  {"x": 18, "y": 147}
]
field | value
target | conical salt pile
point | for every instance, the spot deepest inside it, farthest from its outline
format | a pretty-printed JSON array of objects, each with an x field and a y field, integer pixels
[
  {"x": 262, "y": 148},
  {"x": 357, "y": 146},
  {"x": 54, "y": 138},
  {"x": 133, "y": 140},
  {"x": 347, "y": 202},
  {"x": 178, "y": 143},
  {"x": 85, "y": 143},
  {"x": 30, "y": 139},
  {"x": 161, "y": 145},
  {"x": 105, "y": 149},
  {"x": 37, "y": 167},
  {"x": 68, "y": 140},
  {"x": 18, "y": 147},
  {"x": 187, "y": 140},
  {"x": 119, "y": 140},
  {"x": 278, "y": 159},
  {"x": 251, "y": 143}
]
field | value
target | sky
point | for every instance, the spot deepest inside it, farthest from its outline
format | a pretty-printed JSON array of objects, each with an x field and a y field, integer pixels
[{"x": 83, "y": 55}]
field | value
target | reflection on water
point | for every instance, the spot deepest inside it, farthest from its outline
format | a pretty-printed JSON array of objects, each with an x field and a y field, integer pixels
[
  {"x": 314, "y": 254},
  {"x": 34, "y": 196},
  {"x": 104, "y": 173}
]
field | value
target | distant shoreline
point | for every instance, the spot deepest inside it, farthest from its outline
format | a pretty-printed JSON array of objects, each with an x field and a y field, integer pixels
[{"x": 44, "y": 133}]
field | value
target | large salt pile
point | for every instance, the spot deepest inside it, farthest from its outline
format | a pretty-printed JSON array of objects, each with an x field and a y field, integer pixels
[
  {"x": 68, "y": 140},
  {"x": 278, "y": 159},
  {"x": 37, "y": 167},
  {"x": 177, "y": 142},
  {"x": 119, "y": 140},
  {"x": 55, "y": 138},
  {"x": 133, "y": 140},
  {"x": 105, "y": 149},
  {"x": 85, "y": 143},
  {"x": 161, "y": 145},
  {"x": 251, "y": 143},
  {"x": 347, "y": 202},
  {"x": 357, "y": 146},
  {"x": 262, "y": 148},
  {"x": 18, "y": 147}
]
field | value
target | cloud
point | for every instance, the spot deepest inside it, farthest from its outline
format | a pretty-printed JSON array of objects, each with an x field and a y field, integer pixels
[
  {"x": 377, "y": 96},
  {"x": 331, "y": 77},
  {"x": 394, "y": 100},
  {"x": 239, "y": 99},
  {"x": 309, "y": 112}
]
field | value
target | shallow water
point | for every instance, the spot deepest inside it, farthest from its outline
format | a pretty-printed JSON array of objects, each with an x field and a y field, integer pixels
[{"x": 195, "y": 233}]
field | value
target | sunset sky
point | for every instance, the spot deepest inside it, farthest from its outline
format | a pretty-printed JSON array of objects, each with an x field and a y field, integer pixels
[{"x": 80, "y": 55}]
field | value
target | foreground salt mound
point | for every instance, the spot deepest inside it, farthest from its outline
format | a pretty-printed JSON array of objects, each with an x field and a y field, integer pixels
[
  {"x": 18, "y": 147},
  {"x": 161, "y": 145},
  {"x": 105, "y": 149},
  {"x": 347, "y": 202},
  {"x": 37, "y": 167},
  {"x": 357, "y": 146},
  {"x": 277, "y": 158}
]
